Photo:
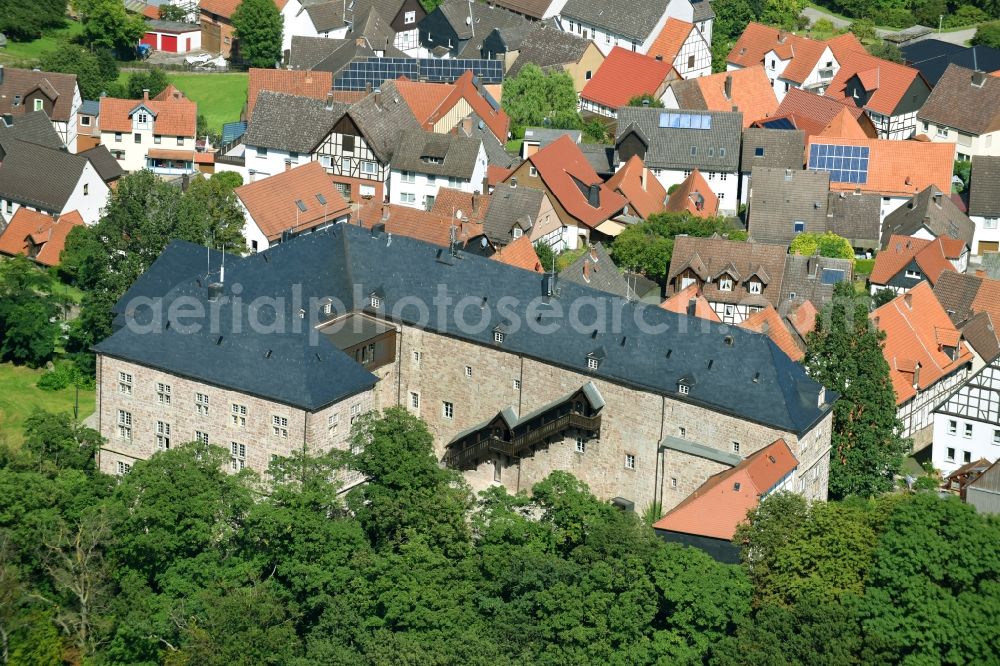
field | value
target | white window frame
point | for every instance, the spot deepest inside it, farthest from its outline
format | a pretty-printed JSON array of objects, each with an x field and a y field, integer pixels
[
  {"x": 448, "y": 409},
  {"x": 162, "y": 435},
  {"x": 415, "y": 400},
  {"x": 409, "y": 17},
  {"x": 630, "y": 461},
  {"x": 124, "y": 424},
  {"x": 201, "y": 436},
  {"x": 581, "y": 445},
  {"x": 726, "y": 284},
  {"x": 952, "y": 426},
  {"x": 497, "y": 336},
  {"x": 967, "y": 432},
  {"x": 592, "y": 363},
  {"x": 684, "y": 389},
  {"x": 279, "y": 426},
  {"x": 238, "y": 414},
  {"x": 755, "y": 287},
  {"x": 201, "y": 403}
]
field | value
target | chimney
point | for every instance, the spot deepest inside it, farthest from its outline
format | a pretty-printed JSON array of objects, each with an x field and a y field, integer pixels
[
  {"x": 288, "y": 165},
  {"x": 385, "y": 212},
  {"x": 978, "y": 78},
  {"x": 937, "y": 199},
  {"x": 916, "y": 376},
  {"x": 594, "y": 195},
  {"x": 329, "y": 101},
  {"x": 253, "y": 175},
  {"x": 908, "y": 299},
  {"x": 643, "y": 176},
  {"x": 593, "y": 254},
  {"x": 782, "y": 36},
  {"x": 368, "y": 87},
  {"x": 586, "y": 270},
  {"x": 467, "y": 125},
  {"x": 145, "y": 94},
  {"x": 692, "y": 307},
  {"x": 727, "y": 87}
]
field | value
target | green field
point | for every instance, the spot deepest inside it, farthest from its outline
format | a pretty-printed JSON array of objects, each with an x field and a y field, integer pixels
[
  {"x": 19, "y": 397},
  {"x": 220, "y": 97},
  {"x": 17, "y": 51}
]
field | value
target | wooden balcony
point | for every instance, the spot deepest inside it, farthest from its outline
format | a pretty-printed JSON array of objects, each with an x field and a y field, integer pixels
[{"x": 473, "y": 454}]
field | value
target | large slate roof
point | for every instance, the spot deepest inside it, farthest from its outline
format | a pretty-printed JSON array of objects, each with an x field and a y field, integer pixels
[
  {"x": 784, "y": 149},
  {"x": 34, "y": 127},
  {"x": 457, "y": 154},
  {"x": 781, "y": 197},
  {"x": 291, "y": 122},
  {"x": 622, "y": 17},
  {"x": 984, "y": 186},
  {"x": 931, "y": 208},
  {"x": 38, "y": 176},
  {"x": 748, "y": 377},
  {"x": 670, "y": 147},
  {"x": 547, "y": 46}
]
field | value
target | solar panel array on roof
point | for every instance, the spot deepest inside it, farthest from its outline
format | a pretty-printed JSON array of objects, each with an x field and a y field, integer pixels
[
  {"x": 686, "y": 121},
  {"x": 779, "y": 123},
  {"x": 846, "y": 164},
  {"x": 359, "y": 74},
  {"x": 832, "y": 275}
]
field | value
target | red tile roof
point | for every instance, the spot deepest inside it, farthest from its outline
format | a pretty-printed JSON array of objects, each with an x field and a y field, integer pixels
[
  {"x": 450, "y": 201},
  {"x": 413, "y": 223},
  {"x": 841, "y": 45},
  {"x": 758, "y": 40},
  {"x": 803, "y": 318},
  {"x": 564, "y": 169},
  {"x": 681, "y": 301},
  {"x": 520, "y": 253},
  {"x": 170, "y": 92},
  {"x": 814, "y": 114},
  {"x": 916, "y": 327},
  {"x": 432, "y": 101},
  {"x": 768, "y": 322},
  {"x": 302, "y": 83},
  {"x": 644, "y": 192},
  {"x": 273, "y": 201},
  {"x": 901, "y": 250},
  {"x": 888, "y": 81},
  {"x": 225, "y": 8},
  {"x": 751, "y": 93},
  {"x": 670, "y": 40},
  {"x": 30, "y": 229},
  {"x": 898, "y": 168},
  {"x": 686, "y": 197},
  {"x": 496, "y": 175},
  {"x": 422, "y": 97},
  {"x": 721, "y": 503},
  {"x": 151, "y": 12},
  {"x": 173, "y": 116},
  {"x": 624, "y": 75}
]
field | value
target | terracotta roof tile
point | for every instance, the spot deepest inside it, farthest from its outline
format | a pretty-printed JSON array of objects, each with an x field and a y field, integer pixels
[
  {"x": 624, "y": 75},
  {"x": 930, "y": 256},
  {"x": 496, "y": 175},
  {"x": 752, "y": 94},
  {"x": 301, "y": 83},
  {"x": 564, "y": 170},
  {"x": 720, "y": 504},
  {"x": 151, "y": 12},
  {"x": 841, "y": 45},
  {"x": 520, "y": 253},
  {"x": 768, "y": 322},
  {"x": 758, "y": 40},
  {"x": 681, "y": 304},
  {"x": 173, "y": 117},
  {"x": 422, "y": 97},
  {"x": 695, "y": 196},
  {"x": 803, "y": 318},
  {"x": 644, "y": 192},
  {"x": 225, "y": 8},
  {"x": 888, "y": 80},
  {"x": 48, "y": 235},
  {"x": 815, "y": 114},
  {"x": 450, "y": 201},
  {"x": 273, "y": 202},
  {"x": 913, "y": 324},
  {"x": 432, "y": 101},
  {"x": 898, "y": 168},
  {"x": 415, "y": 223},
  {"x": 670, "y": 40}
]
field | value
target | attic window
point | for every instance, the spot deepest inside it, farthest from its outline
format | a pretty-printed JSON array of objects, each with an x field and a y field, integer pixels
[
  {"x": 736, "y": 486},
  {"x": 432, "y": 160},
  {"x": 592, "y": 363},
  {"x": 684, "y": 389},
  {"x": 301, "y": 205},
  {"x": 694, "y": 150},
  {"x": 722, "y": 152},
  {"x": 758, "y": 151},
  {"x": 498, "y": 336},
  {"x": 726, "y": 284},
  {"x": 376, "y": 301}
]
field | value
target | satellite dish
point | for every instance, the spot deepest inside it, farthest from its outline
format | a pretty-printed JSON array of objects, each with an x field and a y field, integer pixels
[
  {"x": 483, "y": 242},
  {"x": 468, "y": 20},
  {"x": 458, "y": 214}
]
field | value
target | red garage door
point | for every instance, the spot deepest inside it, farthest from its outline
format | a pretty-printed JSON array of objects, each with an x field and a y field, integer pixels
[
  {"x": 168, "y": 43},
  {"x": 149, "y": 39}
]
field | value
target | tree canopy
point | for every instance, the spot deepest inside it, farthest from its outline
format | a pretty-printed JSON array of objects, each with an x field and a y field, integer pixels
[
  {"x": 28, "y": 20},
  {"x": 96, "y": 72},
  {"x": 827, "y": 244},
  {"x": 988, "y": 34},
  {"x": 258, "y": 27},
  {"x": 27, "y": 315},
  {"x": 535, "y": 98},
  {"x": 844, "y": 353},
  {"x": 106, "y": 25}
]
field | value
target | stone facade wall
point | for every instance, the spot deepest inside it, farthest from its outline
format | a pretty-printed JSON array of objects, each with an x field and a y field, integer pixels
[{"x": 185, "y": 421}]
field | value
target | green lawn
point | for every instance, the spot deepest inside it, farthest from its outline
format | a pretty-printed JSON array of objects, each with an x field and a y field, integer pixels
[
  {"x": 19, "y": 396},
  {"x": 17, "y": 51},
  {"x": 220, "y": 97}
]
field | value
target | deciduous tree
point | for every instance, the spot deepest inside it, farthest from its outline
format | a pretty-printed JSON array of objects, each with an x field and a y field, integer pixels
[
  {"x": 258, "y": 27},
  {"x": 536, "y": 98}
]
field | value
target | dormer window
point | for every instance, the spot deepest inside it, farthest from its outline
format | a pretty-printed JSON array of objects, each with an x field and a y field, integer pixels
[
  {"x": 39, "y": 105},
  {"x": 376, "y": 301},
  {"x": 517, "y": 232},
  {"x": 592, "y": 363},
  {"x": 684, "y": 389},
  {"x": 432, "y": 160},
  {"x": 754, "y": 287},
  {"x": 498, "y": 337},
  {"x": 725, "y": 283}
]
